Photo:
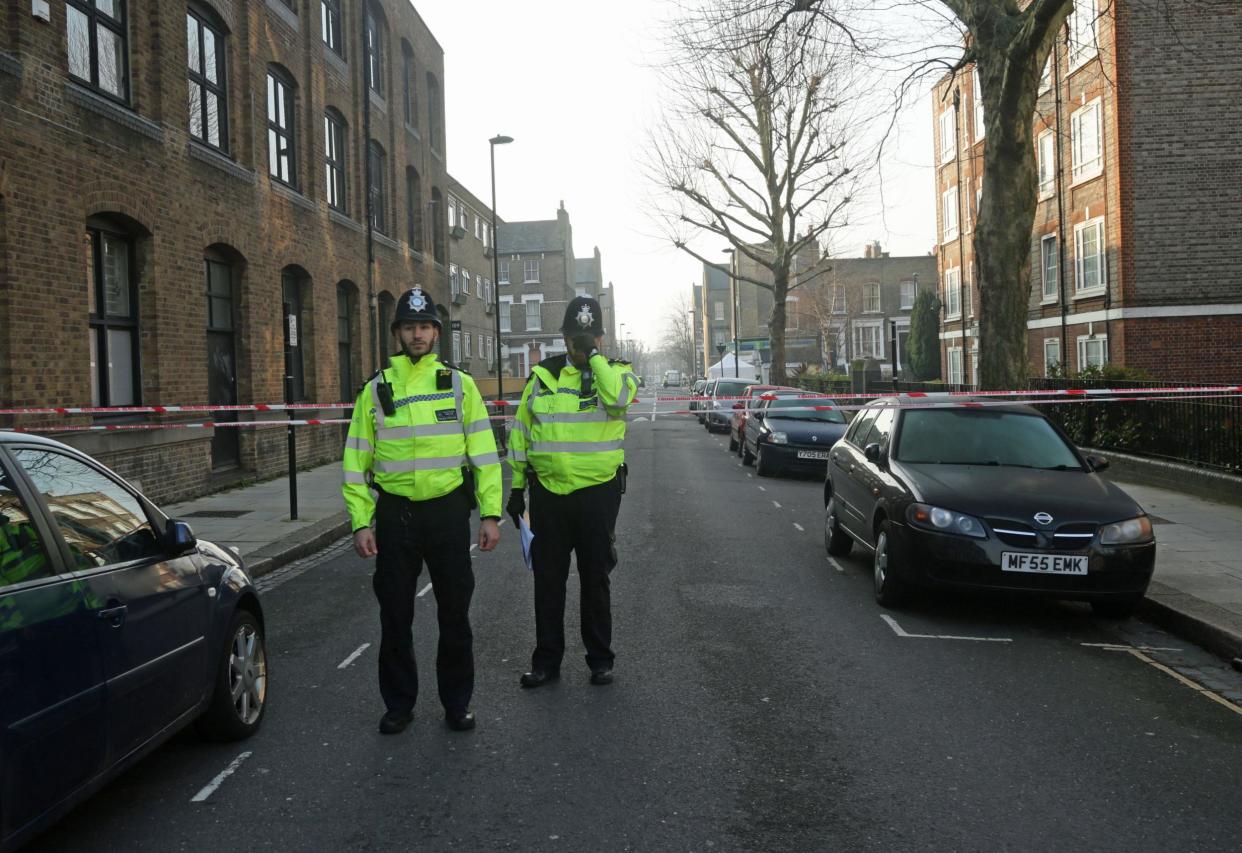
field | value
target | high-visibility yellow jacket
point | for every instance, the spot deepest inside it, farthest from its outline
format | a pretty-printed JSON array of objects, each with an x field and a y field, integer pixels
[
  {"x": 440, "y": 425},
  {"x": 571, "y": 440}
]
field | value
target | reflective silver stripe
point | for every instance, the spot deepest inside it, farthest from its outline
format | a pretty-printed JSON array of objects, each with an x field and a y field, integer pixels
[
  {"x": 394, "y": 433},
  {"x": 419, "y": 430},
  {"x": 589, "y": 416},
  {"x": 576, "y": 446},
  {"x": 378, "y": 409},
  {"x": 358, "y": 443},
  {"x": 481, "y": 425},
  {"x": 517, "y": 455},
  {"x": 457, "y": 397},
  {"x": 356, "y": 477},
  {"x": 521, "y": 427},
  {"x": 431, "y": 463},
  {"x": 484, "y": 459}
]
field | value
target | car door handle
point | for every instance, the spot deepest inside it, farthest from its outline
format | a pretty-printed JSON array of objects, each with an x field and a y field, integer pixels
[{"x": 113, "y": 615}]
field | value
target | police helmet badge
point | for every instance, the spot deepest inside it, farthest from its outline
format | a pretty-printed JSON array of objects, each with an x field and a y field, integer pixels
[
  {"x": 417, "y": 300},
  {"x": 585, "y": 317}
]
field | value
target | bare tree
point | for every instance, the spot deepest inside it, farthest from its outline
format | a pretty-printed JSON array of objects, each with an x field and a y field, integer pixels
[
  {"x": 678, "y": 339},
  {"x": 754, "y": 149}
]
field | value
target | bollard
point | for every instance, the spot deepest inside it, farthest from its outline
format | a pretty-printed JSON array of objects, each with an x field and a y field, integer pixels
[{"x": 293, "y": 454}]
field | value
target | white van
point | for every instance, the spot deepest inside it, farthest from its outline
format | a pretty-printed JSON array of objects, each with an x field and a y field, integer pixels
[{"x": 672, "y": 378}]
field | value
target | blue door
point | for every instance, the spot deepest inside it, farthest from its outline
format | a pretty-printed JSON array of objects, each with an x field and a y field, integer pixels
[
  {"x": 52, "y": 721},
  {"x": 151, "y": 611}
]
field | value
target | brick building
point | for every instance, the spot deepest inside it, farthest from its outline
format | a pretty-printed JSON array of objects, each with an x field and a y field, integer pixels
[
  {"x": 1136, "y": 248},
  {"x": 714, "y": 314},
  {"x": 159, "y": 249},
  {"x": 472, "y": 310},
  {"x": 753, "y": 306}
]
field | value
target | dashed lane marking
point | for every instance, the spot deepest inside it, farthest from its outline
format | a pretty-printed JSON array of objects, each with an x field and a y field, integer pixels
[
  {"x": 424, "y": 591},
  {"x": 776, "y": 504},
  {"x": 836, "y": 565},
  {"x": 353, "y": 656},
  {"x": 210, "y": 787},
  {"x": 799, "y": 526},
  {"x": 1198, "y": 688},
  {"x": 762, "y": 489},
  {"x": 900, "y": 632}
]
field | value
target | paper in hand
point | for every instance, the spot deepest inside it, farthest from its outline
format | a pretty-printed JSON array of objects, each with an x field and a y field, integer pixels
[{"x": 527, "y": 538}]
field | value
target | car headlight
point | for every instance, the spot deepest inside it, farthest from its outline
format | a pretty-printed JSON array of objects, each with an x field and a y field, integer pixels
[
  {"x": 778, "y": 438},
  {"x": 945, "y": 521},
  {"x": 1127, "y": 532}
]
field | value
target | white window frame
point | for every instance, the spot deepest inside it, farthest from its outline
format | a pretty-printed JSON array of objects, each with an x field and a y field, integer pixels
[
  {"x": 465, "y": 282},
  {"x": 872, "y": 305},
  {"x": 956, "y": 377},
  {"x": 948, "y": 135},
  {"x": 719, "y": 312},
  {"x": 952, "y": 292},
  {"x": 1084, "y": 345},
  {"x": 1045, "y": 80},
  {"x": 503, "y": 272},
  {"x": 1084, "y": 33},
  {"x": 506, "y": 314},
  {"x": 454, "y": 279},
  {"x": 526, "y": 271},
  {"x": 908, "y": 293},
  {"x": 1087, "y": 164},
  {"x": 1046, "y": 158},
  {"x": 980, "y": 127},
  {"x": 1048, "y": 295},
  {"x": 456, "y": 346},
  {"x": 869, "y": 339},
  {"x": 491, "y": 350},
  {"x": 1100, "y": 259},
  {"x": 466, "y": 342},
  {"x": 452, "y": 212},
  {"x": 526, "y": 302},
  {"x": 1053, "y": 344},
  {"x": 949, "y": 214},
  {"x": 478, "y": 285}
]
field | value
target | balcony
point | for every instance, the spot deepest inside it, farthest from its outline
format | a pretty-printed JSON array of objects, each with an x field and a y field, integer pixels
[
  {"x": 460, "y": 298},
  {"x": 458, "y": 232}
]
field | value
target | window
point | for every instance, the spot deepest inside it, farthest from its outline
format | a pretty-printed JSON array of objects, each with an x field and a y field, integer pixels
[
  {"x": 465, "y": 282},
  {"x": 871, "y": 298},
  {"x": 482, "y": 347},
  {"x": 720, "y": 312},
  {"x": 955, "y": 366},
  {"x": 948, "y": 135},
  {"x": 953, "y": 293},
  {"x": 503, "y": 272},
  {"x": 1048, "y": 265},
  {"x": 102, "y": 522},
  {"x": 1045, "y": 80},
  {"x": 454, "y": 280},
  {"x": 456, "y": 346},
  {"x": 22, "y": 555},
  {"x": 1046, "y": 155},
  {"x": 292, "y": 281},
  {"x": 530, "y": 271},
  {"x": 491, "y": 350},
  {"x": 452, "y": 212},
  {"x": 379, "y": 197},
  {"x": 433, "y": 111},
  {"x": 98, "y": 54},
  {"x": 868, "y": 340},
  {"x": 437, "y": 225},
  {"x": 1083, "y": 37},
  {"x": 1092, "y": 351},
  {"x": 948, "y": 211},
  {"x": 907, "y": 295},
  {"x": 1085, "y": 136},
  {"x": 331, "y": 26},
  {"x": 334, "y": 158},
  {"x": 281, "y": 156},
  {"x": 478, "y": 286},
  {"x": 1090, "y": 275},
  {"x": 1052, "y": 355},
  {"x": 414, "y": 209},
  {"x": 409, "y": 92},
  {"x": 208, "y": 93},
  {"x": 506, "y": 315},
  {"x": 466, "y": 343},
  {"x": 533, "y": 320},
  {"x": 488, "y": 292},
  {"x": 113, "y": 304},
  {"x": 980, "y": 127},
  {"x": 375, "y": 53},
  {"x": 487, "y": 234}
]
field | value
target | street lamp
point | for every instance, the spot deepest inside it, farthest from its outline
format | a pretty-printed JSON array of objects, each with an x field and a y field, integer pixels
[
  {"x": 621, "y": 341},
  {"x": 492, "y": 143},
  {"x": 733, "y": 298}
]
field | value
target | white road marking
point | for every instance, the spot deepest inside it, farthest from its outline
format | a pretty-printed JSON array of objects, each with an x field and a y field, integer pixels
[
  {"x": 836, "y": 565},
  {"x": 749, "y": 476},
  {"x": 423, "y": 591},
  {"x": 776, "y": 504},
  {"x": 472, "y": 547},
  {"x": 762, "y": 489},
  {"x": 799, "y": 526},
  {"x": 900, "y": 632},
  {"x": 353, "y": 657},
  {"x": 1123, "y": 647},
  {"x": 210, "y": 787}
]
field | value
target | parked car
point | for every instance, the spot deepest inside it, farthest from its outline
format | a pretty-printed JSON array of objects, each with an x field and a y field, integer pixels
[
  {"x": 696, "y": 392},
  {"x": 719, "y": 404},
  {"x": 791, "y": 433},
  {"x": 117, "y": 629},
  {"x": 741, "y": 410},
  {"x": 995, "y": 497},
  {"x": 704, "y": 401}
]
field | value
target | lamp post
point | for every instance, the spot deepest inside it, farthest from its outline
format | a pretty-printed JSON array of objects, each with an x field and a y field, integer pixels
[
  {"x": 733, "y": 298},
  {"x": 492, "y": 143},
  {"x": 621, "y": 341}
]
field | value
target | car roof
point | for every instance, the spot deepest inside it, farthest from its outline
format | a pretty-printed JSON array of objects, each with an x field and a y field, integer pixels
[
  {"x": 8, "y": 435},
  {"x": 927, "y": 403}
]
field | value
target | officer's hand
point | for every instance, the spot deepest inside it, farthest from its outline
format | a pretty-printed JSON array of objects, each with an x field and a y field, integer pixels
[
  {"x": 516, "y": 506},
  {"x": 489, "y": 534},
  {"x": 364, "y": 543},
  {"x": 584, "y": 344}
]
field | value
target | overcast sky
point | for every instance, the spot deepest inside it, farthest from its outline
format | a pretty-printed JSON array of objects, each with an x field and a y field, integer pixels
[{"x": 572, "y": 81}]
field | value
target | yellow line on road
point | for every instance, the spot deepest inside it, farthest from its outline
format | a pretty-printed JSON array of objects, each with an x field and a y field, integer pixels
[{"x": 1198, "y": 688}]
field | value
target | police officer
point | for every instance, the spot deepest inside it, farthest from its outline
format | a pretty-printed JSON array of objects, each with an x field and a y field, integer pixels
[
  {"x": 417, "y": 426},
  {"x": 567, "y": 442}
]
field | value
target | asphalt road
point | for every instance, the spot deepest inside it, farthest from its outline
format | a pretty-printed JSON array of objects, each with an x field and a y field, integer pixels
[{"x": 761, "y": 704}]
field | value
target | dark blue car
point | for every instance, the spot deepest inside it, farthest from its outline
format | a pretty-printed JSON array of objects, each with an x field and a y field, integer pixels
[
  {"x": 792, "y": 432},
  {"x": 117, "y": 629}
]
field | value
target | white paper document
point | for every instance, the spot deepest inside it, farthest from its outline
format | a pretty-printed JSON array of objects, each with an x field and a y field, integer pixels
[{"x": 527, "y": 538}]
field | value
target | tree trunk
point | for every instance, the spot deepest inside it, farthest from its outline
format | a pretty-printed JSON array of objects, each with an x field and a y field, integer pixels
[{"x": 776, "y": 327}]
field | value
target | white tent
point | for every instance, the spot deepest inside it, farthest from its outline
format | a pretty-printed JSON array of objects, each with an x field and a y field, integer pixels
[{"x": 729, "y": 365}]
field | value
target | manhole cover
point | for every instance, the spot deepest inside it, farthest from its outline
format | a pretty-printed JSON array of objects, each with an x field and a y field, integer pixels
[{"x": 218, "y": 513}]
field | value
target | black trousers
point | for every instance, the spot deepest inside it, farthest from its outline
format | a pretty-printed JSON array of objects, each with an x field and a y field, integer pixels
[
  {"x": 408, "y": 533},
  {"x": 582, "y": 522}
]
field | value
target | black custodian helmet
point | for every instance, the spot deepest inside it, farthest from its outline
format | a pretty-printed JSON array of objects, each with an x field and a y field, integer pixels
[
  {"x": 417, "y": 306},
  {"x": 583, "y": 314}
]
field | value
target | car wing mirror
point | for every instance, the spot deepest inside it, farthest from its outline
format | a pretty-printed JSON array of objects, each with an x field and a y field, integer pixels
[
  {"x": 178, "y": 538},
  {"x": 1097, "y": 463},
  {"x": 873, "y": 453},
  {"x": 739, "y": 405}
]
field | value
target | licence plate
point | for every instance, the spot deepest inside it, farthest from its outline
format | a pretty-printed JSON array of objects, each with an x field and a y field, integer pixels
[
  {"x": 1043, "y": 564},
  {"x": 812, "y": 454}
]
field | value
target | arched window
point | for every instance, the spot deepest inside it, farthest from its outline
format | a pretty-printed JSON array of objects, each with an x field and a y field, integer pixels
[
  {"x": 379, "y": 197},
  {"x": 409, "y": 83},
  {"x": 335, "y": 147},
  {"x": 222, "y": 269},
  {"x": 112, "y": 260},
  {"x": 281, "y": 142},
  {"x": 375, "y": 49},
  {"x": 295, "y": 290},
  {"x": 414, "y": 209},
  {"x": 347, "y": 340},
  {"x": 208, "y": 85},
  {"x": 437, "y": 224},
  {"x": 434, "y": 112}
]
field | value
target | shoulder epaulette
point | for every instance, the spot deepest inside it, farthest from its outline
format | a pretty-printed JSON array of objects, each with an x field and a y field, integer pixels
[
  {"x": 456, "y": 367},
  {"x": 619, "y": 361},
  {"x": 554, "y": 364}
]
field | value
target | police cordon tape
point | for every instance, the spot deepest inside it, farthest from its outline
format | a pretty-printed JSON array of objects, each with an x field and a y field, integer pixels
[
  {"x": 1037, "y": 392},
  {"x": 919, "y": 403}
]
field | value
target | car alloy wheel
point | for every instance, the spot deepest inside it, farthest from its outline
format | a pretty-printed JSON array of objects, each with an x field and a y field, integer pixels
[
  {"x": 889, "y": 590},
  {"x": 248, "y": 673},
  {"x": 837, "y": 542}
]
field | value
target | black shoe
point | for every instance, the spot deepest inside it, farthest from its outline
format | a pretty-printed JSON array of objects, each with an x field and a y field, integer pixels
[
  {"x": 601, "y": 675},
  {"x": 539, "y": 677},
  {"x": 459, "y": 721},
  {"x": 394, "y": 722}
]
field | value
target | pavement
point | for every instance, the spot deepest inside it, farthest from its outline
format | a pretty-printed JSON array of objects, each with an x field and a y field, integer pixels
[{"x": 1196, "y": 591}]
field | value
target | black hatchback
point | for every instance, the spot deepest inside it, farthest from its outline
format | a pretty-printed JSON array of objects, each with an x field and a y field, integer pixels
[
  {"x": 117, "y": 628},
  {"x": 791, "y": 432},
  {"x": 990, "y": 497}
]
